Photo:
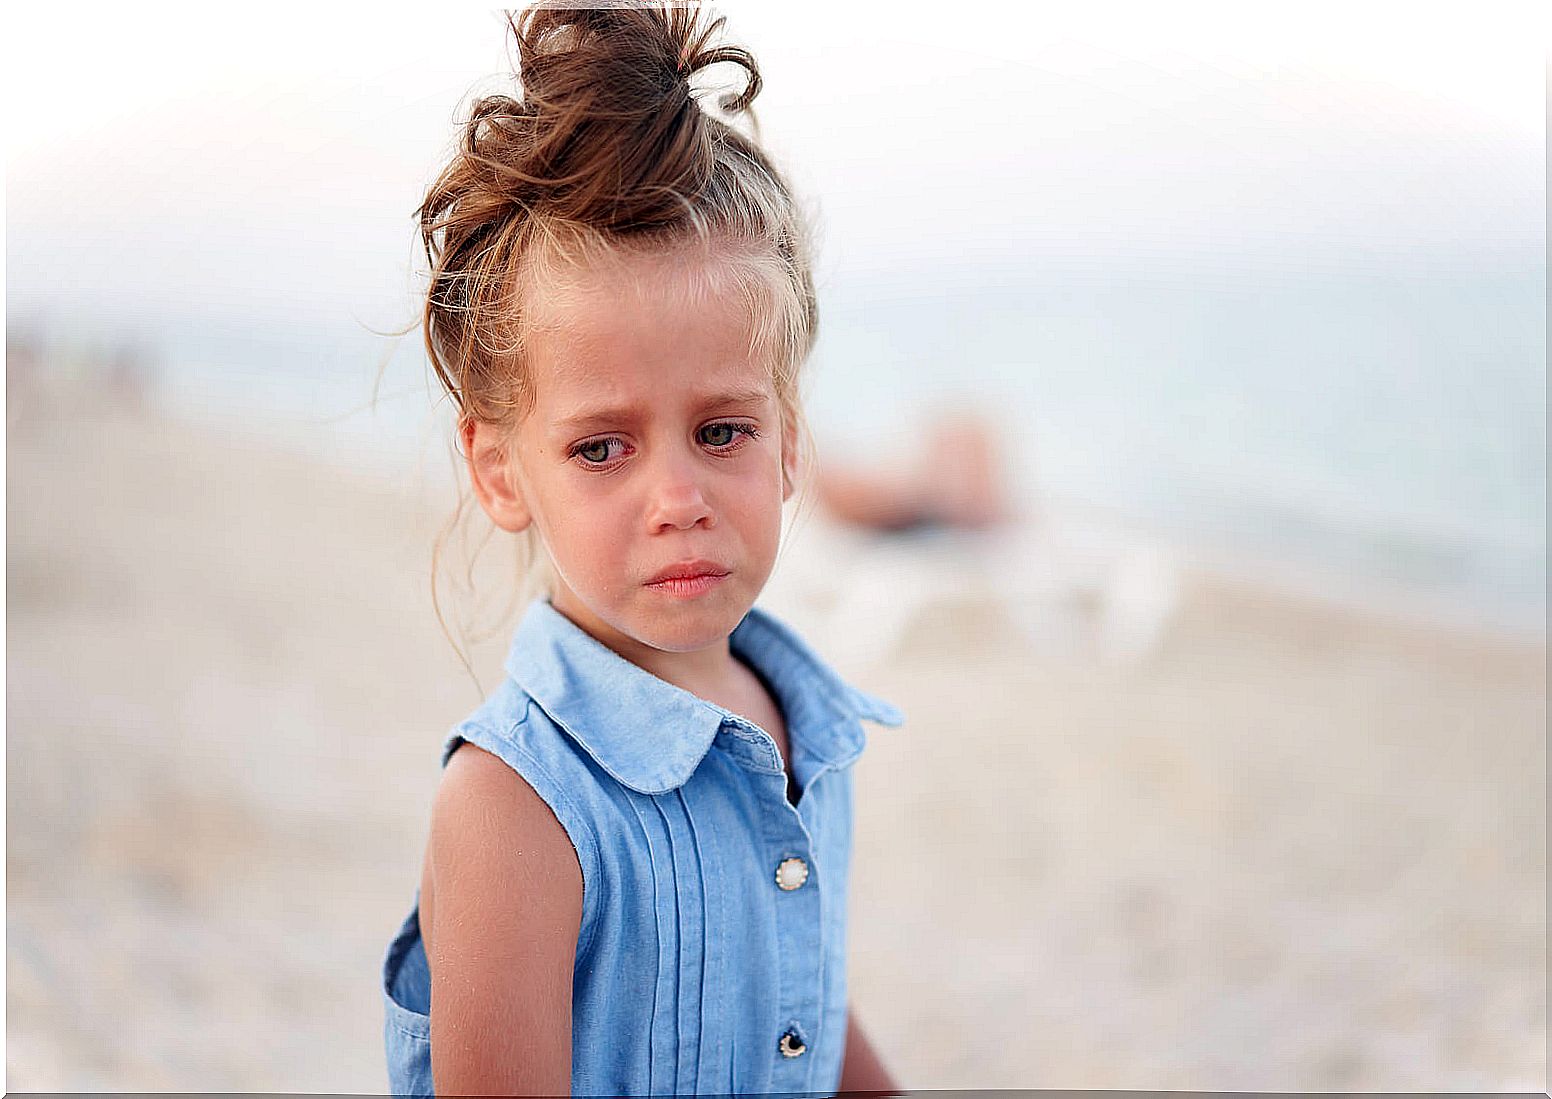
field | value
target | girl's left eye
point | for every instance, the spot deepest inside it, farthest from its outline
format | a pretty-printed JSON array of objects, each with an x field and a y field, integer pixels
[{"x": 732, "y": 430}]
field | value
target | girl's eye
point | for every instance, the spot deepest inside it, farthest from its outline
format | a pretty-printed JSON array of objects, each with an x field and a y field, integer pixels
[
  {"x": 718, "y": 436},
  {"x": 732, "y": 431},
  {"x": 588, "y": 451}
]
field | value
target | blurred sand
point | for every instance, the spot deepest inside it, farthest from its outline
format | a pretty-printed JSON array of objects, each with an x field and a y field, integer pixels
[{"x": 1299, "y": 848}]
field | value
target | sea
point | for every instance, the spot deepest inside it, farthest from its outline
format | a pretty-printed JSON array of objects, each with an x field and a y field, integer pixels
[{"x": 1381, "y": 424}]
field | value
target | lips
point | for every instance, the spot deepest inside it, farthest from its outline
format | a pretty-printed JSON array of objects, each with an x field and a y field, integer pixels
[{"x": 688, "y": 570}]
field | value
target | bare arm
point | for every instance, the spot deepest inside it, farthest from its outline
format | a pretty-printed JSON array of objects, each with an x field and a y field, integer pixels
[
  {"x": 508, "y": 909},
  {"x": 862, "y": 1070}
]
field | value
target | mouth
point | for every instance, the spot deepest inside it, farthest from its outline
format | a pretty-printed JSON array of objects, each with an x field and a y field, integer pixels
[{"x": 689, "y": 579}]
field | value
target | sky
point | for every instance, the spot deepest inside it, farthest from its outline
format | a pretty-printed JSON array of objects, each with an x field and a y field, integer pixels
[{"x": 206, "y": 161}]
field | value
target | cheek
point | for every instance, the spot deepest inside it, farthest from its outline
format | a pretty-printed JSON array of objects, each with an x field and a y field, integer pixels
[
  {"x": 757, "y": 484},
  {"x": 758, "y": 498},
  {"x": 592, "y": 529}
]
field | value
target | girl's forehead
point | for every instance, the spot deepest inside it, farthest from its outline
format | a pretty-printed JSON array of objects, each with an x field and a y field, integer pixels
[
  {"x": 590, "y": 387},
  {"x": 594, "y": 394},
  {"x": 563, "y": 293},
  {"x": 662, "y": 326}
]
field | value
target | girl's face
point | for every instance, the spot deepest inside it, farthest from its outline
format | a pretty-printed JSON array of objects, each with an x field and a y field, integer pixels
[{"x": 655, "y": 441}]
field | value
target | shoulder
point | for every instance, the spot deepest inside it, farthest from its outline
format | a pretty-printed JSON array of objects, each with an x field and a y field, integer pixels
[
  {"x": 508, "y": 765},
  {"x": 784, "y": 654},
  {"x": 487, "y": 814},
  {"x": 516, "y": 731}
]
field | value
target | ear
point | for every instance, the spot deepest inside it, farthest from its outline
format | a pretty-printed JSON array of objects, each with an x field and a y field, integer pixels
[
  {"x": 789, "y": 460},
  {"x": 490, "y": 471}
]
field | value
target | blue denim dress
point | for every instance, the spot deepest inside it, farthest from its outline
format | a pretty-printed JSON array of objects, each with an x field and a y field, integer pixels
[{"x": 712, "y": 950}]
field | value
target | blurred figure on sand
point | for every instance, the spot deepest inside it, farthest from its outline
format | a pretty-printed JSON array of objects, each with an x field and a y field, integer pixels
[
  {"x": 1069, "y": 581},
  {"x": 955, "y": 483}
]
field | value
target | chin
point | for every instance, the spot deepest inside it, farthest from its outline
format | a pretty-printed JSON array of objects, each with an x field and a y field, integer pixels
[{"x": 688, "y": 627}]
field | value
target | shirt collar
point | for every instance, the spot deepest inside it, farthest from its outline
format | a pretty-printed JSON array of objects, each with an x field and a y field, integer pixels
[{"x": 650, "y": 734}]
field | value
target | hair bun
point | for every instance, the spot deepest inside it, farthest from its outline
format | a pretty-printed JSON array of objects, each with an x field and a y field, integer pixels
[{"x": 614, "y": 137}]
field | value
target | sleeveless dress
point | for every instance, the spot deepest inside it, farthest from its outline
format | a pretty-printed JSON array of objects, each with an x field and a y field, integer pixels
[{"x": 712, "y": 951}]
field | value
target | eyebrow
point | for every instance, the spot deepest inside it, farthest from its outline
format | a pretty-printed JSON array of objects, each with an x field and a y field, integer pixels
[{"x": 587, "y": 417}]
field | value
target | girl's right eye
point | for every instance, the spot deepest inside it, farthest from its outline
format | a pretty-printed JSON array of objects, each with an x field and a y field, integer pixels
[{"x": 594, "y": 452}]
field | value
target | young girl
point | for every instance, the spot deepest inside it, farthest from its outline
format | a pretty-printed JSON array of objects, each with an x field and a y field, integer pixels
[{"x": 636, "y": 877}]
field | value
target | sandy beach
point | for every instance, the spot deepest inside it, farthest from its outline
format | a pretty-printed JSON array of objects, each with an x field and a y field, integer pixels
[{"x": 1292, "y": 846}]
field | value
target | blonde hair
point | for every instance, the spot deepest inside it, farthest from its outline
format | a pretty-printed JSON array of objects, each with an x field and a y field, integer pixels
[{"x": 605, "y": 154}]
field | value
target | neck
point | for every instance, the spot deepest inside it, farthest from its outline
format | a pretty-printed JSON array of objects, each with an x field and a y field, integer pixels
[{"x": 706, "y": 673}]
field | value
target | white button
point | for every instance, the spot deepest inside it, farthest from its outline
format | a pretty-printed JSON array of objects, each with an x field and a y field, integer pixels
[
  {"x": 792, "y": 1045},
  {"x": 792, "y": 873}
]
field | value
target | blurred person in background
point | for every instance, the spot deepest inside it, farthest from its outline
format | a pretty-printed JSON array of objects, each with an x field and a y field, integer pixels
[{"x": 956, "y": 481}]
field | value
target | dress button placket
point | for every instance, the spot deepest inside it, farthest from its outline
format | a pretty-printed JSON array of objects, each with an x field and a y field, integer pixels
[{"x": 799, "y": 921}]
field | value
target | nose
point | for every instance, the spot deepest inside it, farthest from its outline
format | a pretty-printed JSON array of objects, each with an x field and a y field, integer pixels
[{"x": 677, "y": 500}]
